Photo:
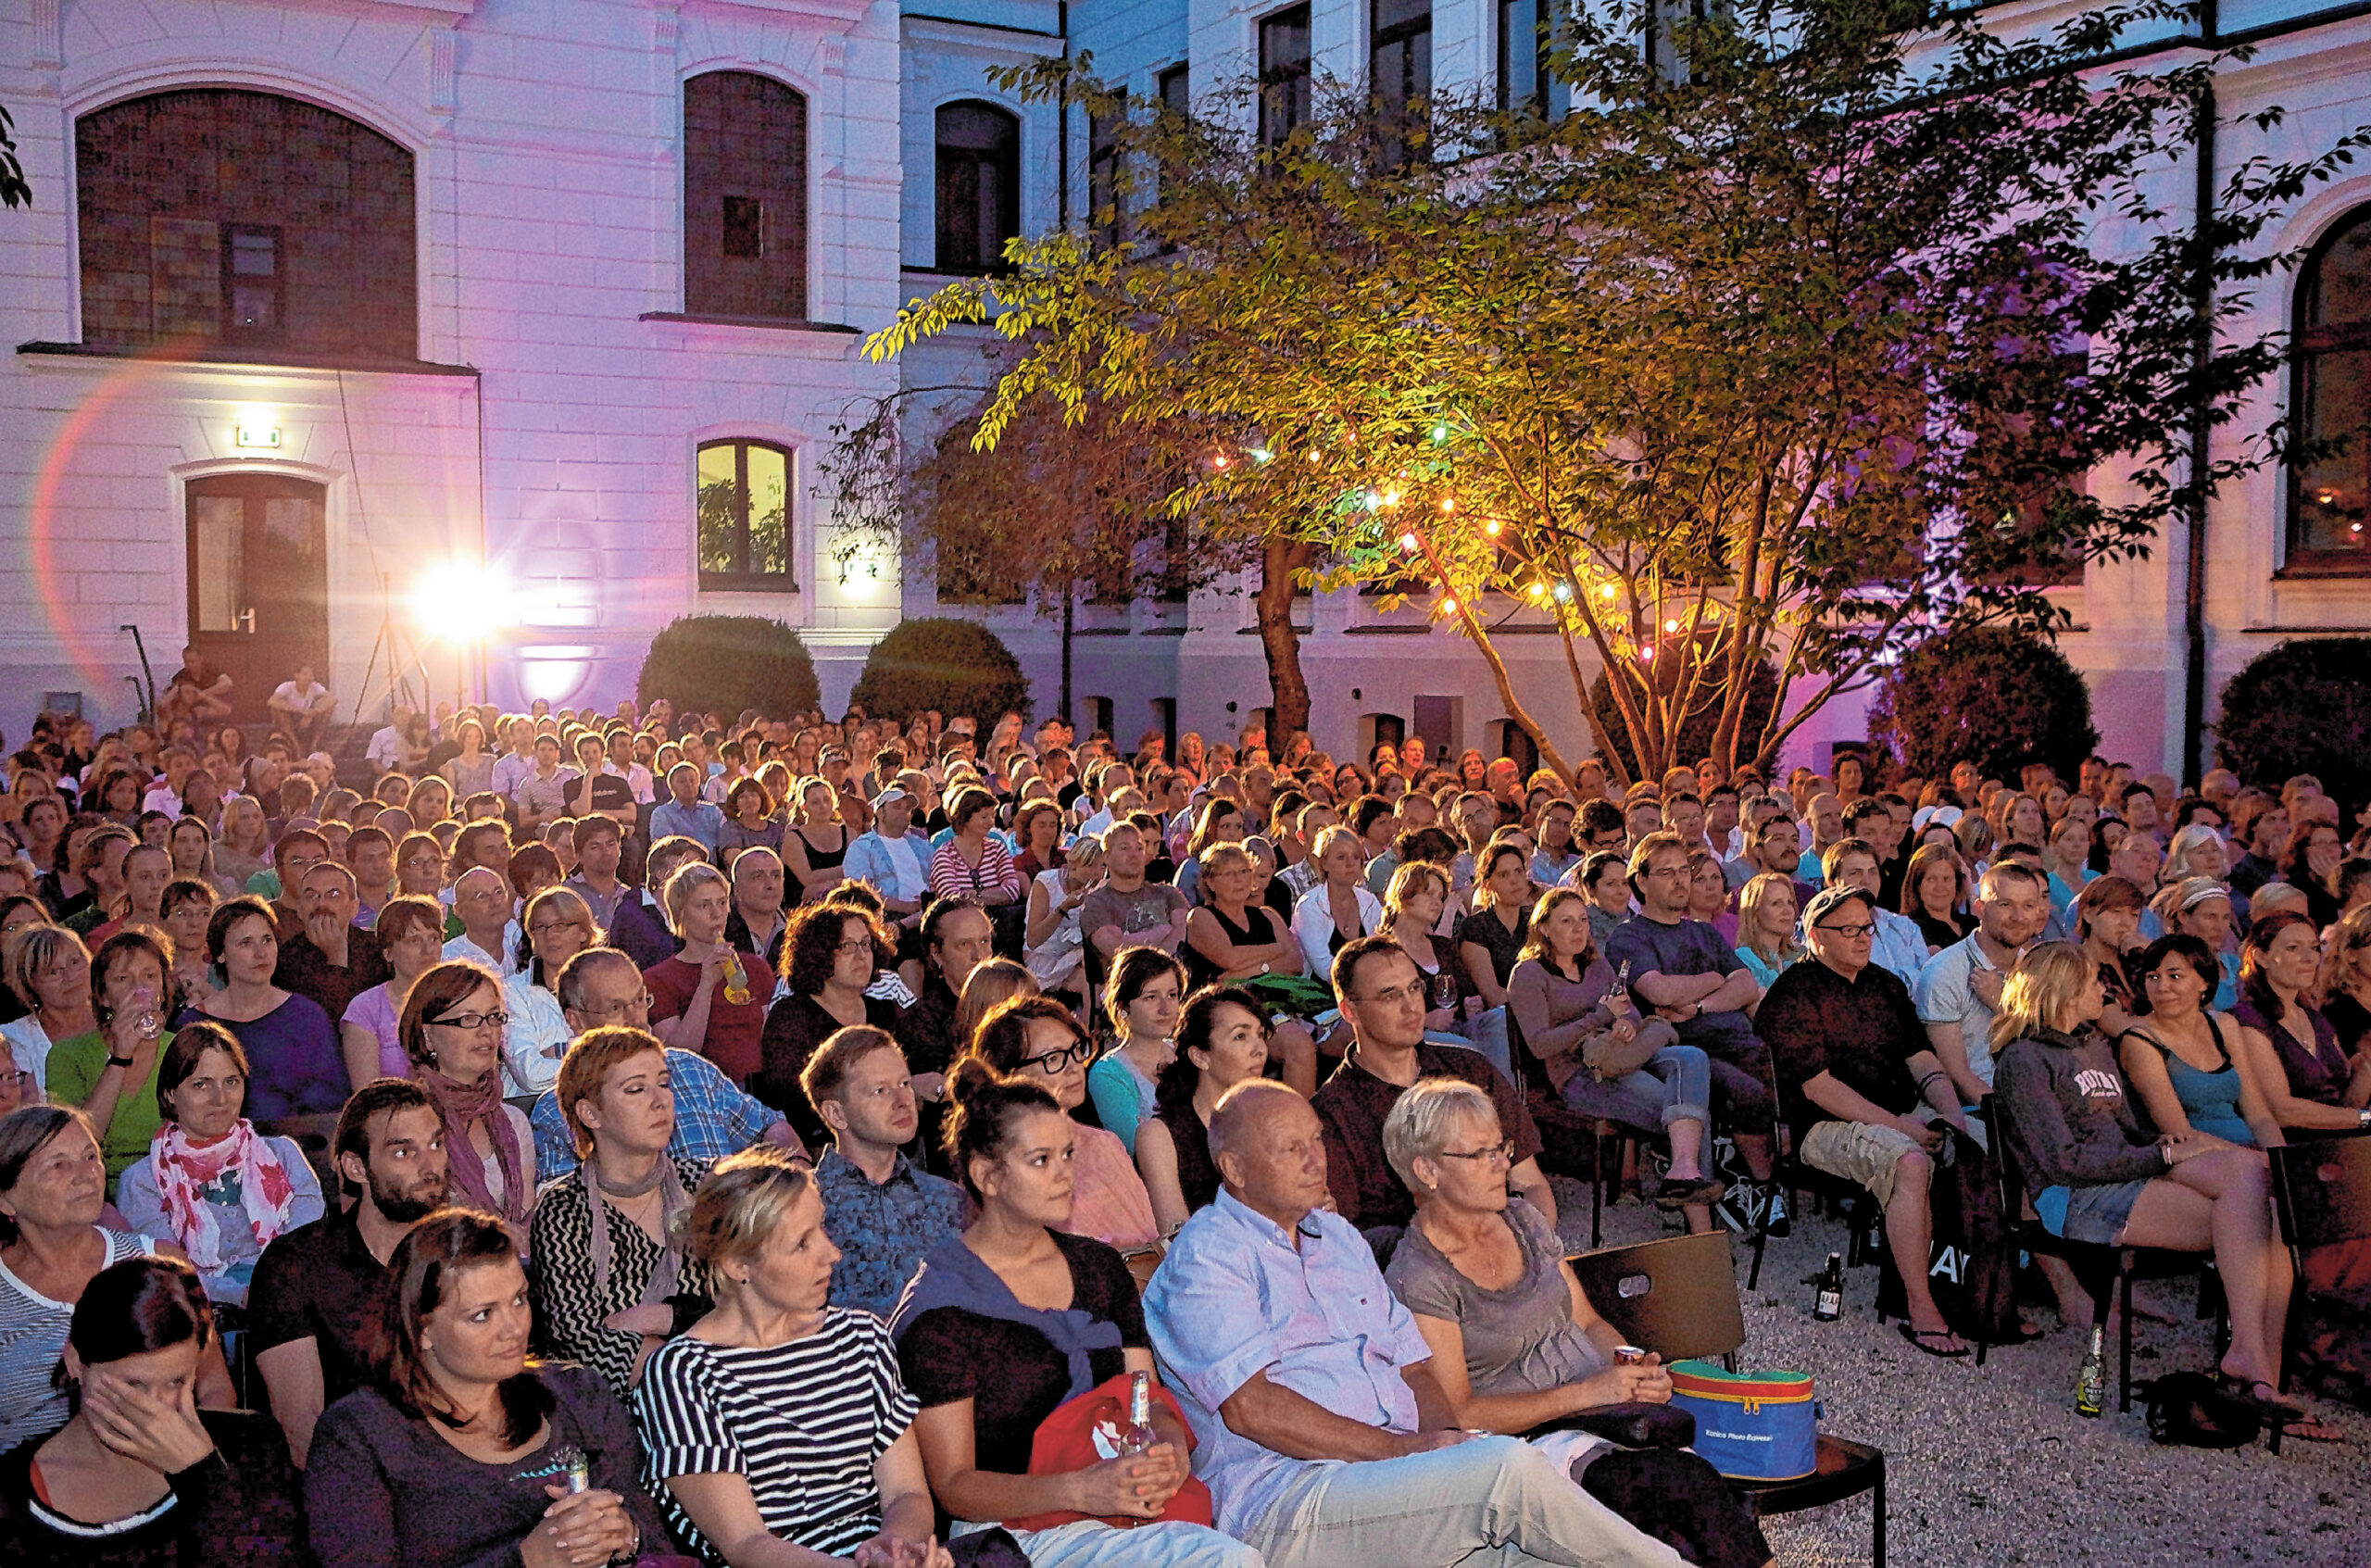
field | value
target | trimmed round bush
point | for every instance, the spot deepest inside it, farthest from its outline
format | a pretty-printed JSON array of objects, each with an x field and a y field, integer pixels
[
  {"x": 1703, "y": 718},
  {"x": 1987, "y": 694},
  {"x": 2302, "y": 706},
  {"x": 955, "y": 666},
  {"x": 728, "y": 664}
]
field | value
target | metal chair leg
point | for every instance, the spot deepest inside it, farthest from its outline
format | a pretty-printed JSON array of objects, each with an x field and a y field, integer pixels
[
  {"x": 1877, "y": 1519},
  {"x": 2123, "y": 1366},
  {"x": 1596, "y": 1188}
]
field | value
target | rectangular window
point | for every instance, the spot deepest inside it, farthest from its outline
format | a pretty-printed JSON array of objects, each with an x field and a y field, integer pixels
[
  {"x": 1104, "y": 197},
  {"x": 253, "y": 284},
  {"x": 745, "y": 227},
  {"x": 1284, "y": 101},
  {"x": 743, "y": 501},
  {"x": 1175, "y": 95},
  {"x": 1527, "y": 83},
  {"x": 1399, "y": 57}
]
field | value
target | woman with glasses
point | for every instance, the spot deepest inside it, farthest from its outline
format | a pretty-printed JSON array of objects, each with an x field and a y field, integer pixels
[
  {"x": 420, "y": 866},
  {"x": 48, "y": 970},
  {"x": 411, "y": 935},
  {"x": 452, "y": 1030},
  {"x": 1515, "y": 1343},
  {"x": 559, "y": 925},
  {"x": 290, "y": 1041},
  {"x": 1037, "y": 1040},
  {"x": 830, "y": 955}
]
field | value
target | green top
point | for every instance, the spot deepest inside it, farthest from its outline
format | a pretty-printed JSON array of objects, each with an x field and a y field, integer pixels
[{"x": 74, "y": 1067}]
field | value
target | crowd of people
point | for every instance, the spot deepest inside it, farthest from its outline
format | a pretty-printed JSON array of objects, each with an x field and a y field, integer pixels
[{"x": 598, "y": 1137}]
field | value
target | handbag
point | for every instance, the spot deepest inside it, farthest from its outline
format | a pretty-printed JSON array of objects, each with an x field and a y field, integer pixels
[
  {"x": 1608, "y": 1056},
  {"x": 1065, "y": 1442},
  {"x": 1750, "y": 1426},
  {"x": 2185, "y": 1408}
]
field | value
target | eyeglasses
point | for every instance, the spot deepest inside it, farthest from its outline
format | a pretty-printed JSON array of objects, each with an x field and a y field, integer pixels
[
  {"x": 1503, "y": 1152},
  {"x": 471, "y": 1019},
  {"x": 608, "y": 1010},
  {"x": 1851, "y": 932},
  {"x": 851, "y": 948},
  {"x": 1058, "y": 1062}
]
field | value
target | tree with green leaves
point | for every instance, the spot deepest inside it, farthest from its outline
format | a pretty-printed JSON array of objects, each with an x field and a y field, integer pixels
[{"x": 1802, "y": 351}]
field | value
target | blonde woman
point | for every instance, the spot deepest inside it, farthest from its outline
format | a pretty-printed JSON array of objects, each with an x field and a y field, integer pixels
[
  {"x": 1766, "y": 939},
  {"x": 245, "y": 848},
  {"x": 1338, "y": 909},
  {"x": 2095, "y": 1177}
]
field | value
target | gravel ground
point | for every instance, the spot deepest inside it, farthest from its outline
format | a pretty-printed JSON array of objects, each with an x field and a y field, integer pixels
[{"x": 1991, "y": 1467}]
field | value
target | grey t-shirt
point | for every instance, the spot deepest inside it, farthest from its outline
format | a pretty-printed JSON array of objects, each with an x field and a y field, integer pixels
[
  {"x": 1519, "y": 1340},
  {"x": 1147, "y": 909}
]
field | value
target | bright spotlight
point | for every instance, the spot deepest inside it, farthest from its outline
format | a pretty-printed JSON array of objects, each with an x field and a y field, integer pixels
[{"x": 459, "y": 601}]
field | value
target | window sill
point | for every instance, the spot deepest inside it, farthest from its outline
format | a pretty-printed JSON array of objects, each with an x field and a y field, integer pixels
[
  {"x": 728, "y": 583},
  {"x": 771, "y": 324},
  {"x": 249, "y": 358},
  {"x": 2323, "y": 567}
]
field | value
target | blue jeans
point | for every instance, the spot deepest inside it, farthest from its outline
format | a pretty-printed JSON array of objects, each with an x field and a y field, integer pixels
[{"x": 1675, "y": 1085}]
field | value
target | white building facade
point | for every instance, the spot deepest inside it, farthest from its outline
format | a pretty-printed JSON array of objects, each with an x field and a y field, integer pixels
[{"x": 480, "y": 339}]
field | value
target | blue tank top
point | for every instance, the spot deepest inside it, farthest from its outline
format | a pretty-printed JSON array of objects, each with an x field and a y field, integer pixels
[{"x": 2211, "y": 1100}]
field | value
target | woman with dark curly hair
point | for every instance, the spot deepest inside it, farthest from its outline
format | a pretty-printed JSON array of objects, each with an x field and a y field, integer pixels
[{"x": 830, "y": 955}]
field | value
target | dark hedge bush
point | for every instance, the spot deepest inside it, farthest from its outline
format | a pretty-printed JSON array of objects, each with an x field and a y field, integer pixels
[
  {"x": 1995, "y": 697},
  {"x": 2302, "y": 707},
  {"x": 1696, "y": 729},
  {"x": 957, "y": 667},
  {"x": 726, "y": 664}
]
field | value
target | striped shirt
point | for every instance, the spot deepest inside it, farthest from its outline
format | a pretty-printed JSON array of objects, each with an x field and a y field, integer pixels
[
  {"x": 32, "y": 1337},
  {"x": 804, "y": 1423},
  {"x": 994, "y": 880}
]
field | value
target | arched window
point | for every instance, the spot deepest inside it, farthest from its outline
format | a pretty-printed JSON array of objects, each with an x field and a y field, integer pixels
[
  {"x": 744, "y": 197},
  {"x": 2329, "y": 484},
  {"x": 745, "y": 512},
  {"x": 220, "y": 217},
  {"x": 979, "y": 186}
]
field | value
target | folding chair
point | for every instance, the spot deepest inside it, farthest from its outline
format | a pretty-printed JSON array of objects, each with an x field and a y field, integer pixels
[
  {"x": 1562, "y": 1129},
  {"x": 1678, "y": 1297}
]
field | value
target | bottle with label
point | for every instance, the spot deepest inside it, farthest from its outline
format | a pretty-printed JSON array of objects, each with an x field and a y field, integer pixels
[
  {"x": 2091, "y": 1382},
  {"x": 1139, "y": 1435},
  {"x": 1828, "y": 1300},
  {"x": 736, "y": 980},
  {"x": 1617, "y": 996}
]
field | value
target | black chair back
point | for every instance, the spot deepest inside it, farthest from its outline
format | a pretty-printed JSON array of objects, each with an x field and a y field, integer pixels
[
  {"x": 1677, "y": 1298},
  {"x": 2322, "y": 1191}
]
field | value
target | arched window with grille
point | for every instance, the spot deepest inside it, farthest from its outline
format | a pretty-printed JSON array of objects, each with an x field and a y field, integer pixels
[
  {"x": 744, "y": 506},
  {"x": 2329, "y": 476},
  {"x": 979, "y": 185}
]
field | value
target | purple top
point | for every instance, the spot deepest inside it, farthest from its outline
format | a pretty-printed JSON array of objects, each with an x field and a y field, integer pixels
[
  {"x": 375, "y": 1010},
  {"x": 2318, "y": 1076},
  {"x": 294, "y": 1065}
]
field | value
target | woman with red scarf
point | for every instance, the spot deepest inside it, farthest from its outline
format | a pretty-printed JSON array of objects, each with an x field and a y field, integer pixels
[
  {"x": 452, "y": 1030},
  {"x": 210, "y": 1183}
]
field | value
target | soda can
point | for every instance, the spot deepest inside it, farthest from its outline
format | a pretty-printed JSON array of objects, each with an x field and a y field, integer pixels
[{"x": 1629, "y": 1355}]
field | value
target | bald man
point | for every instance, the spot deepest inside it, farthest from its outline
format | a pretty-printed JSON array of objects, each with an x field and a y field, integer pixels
[
  {"x": 482, "y": 898},
  {"x": 1322, "y": 1436}
]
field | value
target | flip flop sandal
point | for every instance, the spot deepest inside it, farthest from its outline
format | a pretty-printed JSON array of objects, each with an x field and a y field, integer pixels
[{"x": 1918, "y": 1338}]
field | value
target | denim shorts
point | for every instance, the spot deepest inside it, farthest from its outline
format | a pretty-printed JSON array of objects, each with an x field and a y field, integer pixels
[{"x": 2096, "y": 1213}]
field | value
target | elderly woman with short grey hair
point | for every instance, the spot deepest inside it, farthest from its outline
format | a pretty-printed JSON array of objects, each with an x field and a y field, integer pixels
[{"x": 1515, "y": 1343}]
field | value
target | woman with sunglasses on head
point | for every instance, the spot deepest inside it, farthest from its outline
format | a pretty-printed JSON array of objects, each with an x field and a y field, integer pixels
[
  {"x": 452, "y": 1030},
  {"x": 1035, "y": 1039}
]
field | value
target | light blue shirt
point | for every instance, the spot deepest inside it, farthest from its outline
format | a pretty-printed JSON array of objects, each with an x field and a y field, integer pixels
[
  {"x": 698, "y": 821},
  {"x": 869, "y": 861},
  {"x": 1234, "y": 1298},
  {"x": 1899, "y": 946}
]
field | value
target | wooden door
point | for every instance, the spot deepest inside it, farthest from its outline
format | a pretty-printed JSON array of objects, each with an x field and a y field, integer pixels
[{"x": 259, "y": 581}]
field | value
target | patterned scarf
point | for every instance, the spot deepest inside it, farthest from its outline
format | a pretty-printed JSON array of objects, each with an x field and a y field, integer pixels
[
  {"x": 460, "y": 1104},
  {"x": 672, "y": 1202},
  {"x": 184, "y": 1170}
]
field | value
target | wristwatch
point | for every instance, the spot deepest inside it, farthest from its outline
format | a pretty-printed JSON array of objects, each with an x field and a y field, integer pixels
[
  {"x": 1263, "y": 966},
  {"x": 120, "y": 1061},
  {"x": 2362, "y": 1117}
]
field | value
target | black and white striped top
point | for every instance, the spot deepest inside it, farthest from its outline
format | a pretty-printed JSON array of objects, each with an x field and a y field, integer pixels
[
  {"x": 32, "y": 1337},
  {"x": 570, "y": 1315},
  {"x": 804, "y": 1421}
]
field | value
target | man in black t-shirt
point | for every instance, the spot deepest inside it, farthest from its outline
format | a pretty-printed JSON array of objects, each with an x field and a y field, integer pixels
[{"x": 316, "y": 1287}]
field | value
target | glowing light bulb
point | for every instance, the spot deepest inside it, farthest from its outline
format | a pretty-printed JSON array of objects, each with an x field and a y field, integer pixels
[
  {"x": 1408, "y": 542},
  {"x": 1563, "y": 591},
  {"x": 1441, "y": 433},
  {"x": 1219, "y": 460},
  {"x": 1260, "y": 455},
  {"x": 1647, "y": 655},
  {"x": 1448, "y": 504},
  {"x": 1539, "y": 590},
  {"x": 1448, "y": 606},
  {"x": 1374, "y": 499},
  {"x": 1671, "y": 625},
  {"x": 1607, "y": 591},
  {"x": 1391, "y": 497}
]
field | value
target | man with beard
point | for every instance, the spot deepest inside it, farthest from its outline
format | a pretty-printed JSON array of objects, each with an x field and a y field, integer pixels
[{"x": 315, "y": 1286}]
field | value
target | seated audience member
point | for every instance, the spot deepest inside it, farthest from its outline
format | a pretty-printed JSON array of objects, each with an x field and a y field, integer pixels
[
  {"x": 1382, "y": 995},
  {"x": 894, "y": 855},
  {"x": 331, "y": 960},
  {"x": 1766, "y": 942},
  {"x": 882, "y": 1212},
  {"x": 708, "y": 997},
  {"x": 111, "y": 1072},
  {"x": 1900, "y": 946},
  {"x": 598, "y": 844},
  {"x": 452, "y": 1030},
  {"x": 1681, "y": 970},
  {"x": 292, "y": 1047},
  {"x": 1233, "y": 937},
  {"x": 314, "y": 1286},
  {"x": 560, "y": 926},
  {"x": 2179, "y": 1059},
  {"x": 411, "y": 937},
  {"x": 2104, "y": 921},
  {"x": 139, "y": 1477},
  {"x": 738, "y": 1481},
  {"x": 601, "y": 987},
  {"x": 2347, "y": 1001},
  {"x": 1037, "y": 1039},
  {"x": 52, "y": 1190},
  {"x": 830, "y": 955},
  {"x": 957, "y": 938},
  {"x": 1142, "y": 995},
  {"x": 1338, "y": 907},
  {"x": 210, "y": 1184},
  {"x": 640, "y": 927},
  {"x": 1053, "y": 940},
  {"x": 1128, "y": 910},
  {"x": 2095, "y": 1177},
  {"x": 1515, "y": 1343},
  {"x": 1222, "y": 1041},
  {"x": 2288, "y": 1048},
  {"x": 481, "y": 902},
  {"x": 48, "y": 970},
  {"x": 1585, "y": 1031},
  {"x": 1018, "y": 1314},
  {"x": 459, "y": 1450},
  {"x": 1960, "y": 985},
  {"x": 606, "y": 1257},
  {"x": 1325, "y": 1439},
  {"x": 1863, "y": 1089}
]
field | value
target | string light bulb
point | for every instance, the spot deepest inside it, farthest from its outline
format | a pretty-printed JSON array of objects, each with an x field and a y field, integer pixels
[
  {"x": 1441, "y": 433},
  {"x": 1607, "y": 591},
  {"x": 1448, "y": 606},
  {"x": 1671, "y": 625},
  {"x": 1408, "y": 542}
]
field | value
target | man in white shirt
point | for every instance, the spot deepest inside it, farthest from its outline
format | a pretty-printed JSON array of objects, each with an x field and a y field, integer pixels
[
  {"x": 1959, "y": 986},
  {"x": 518, "y": 762},
  {"x": 300, "y": 709},
  {"x": 893, "y": 858},
  {"x": 386, "y": 744},
  {"x": 488, "y": 933},
  {"x": 1897, "y": 944}
]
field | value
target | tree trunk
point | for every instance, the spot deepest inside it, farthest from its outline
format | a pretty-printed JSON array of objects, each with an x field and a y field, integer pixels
[{"x": 1281, "y": 641}]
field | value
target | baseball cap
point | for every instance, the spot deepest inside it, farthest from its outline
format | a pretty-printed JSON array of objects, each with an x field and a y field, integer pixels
[{"x": 893, "y": 793}]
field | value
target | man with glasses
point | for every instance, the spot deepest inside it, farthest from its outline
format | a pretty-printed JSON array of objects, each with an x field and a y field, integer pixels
[
  {"x": 1383, "y": 995},
  {"x": 601, "y": 987},
  {"x": 1866, "y": 1098},
  {"x": 489, "y": 936}
]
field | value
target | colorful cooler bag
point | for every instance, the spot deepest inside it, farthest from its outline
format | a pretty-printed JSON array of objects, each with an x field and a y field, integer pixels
[{"x": 1753, "y": 1426}]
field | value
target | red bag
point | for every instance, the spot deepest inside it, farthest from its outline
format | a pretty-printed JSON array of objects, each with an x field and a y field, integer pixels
[{"x": 1065, "y": 1441}]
